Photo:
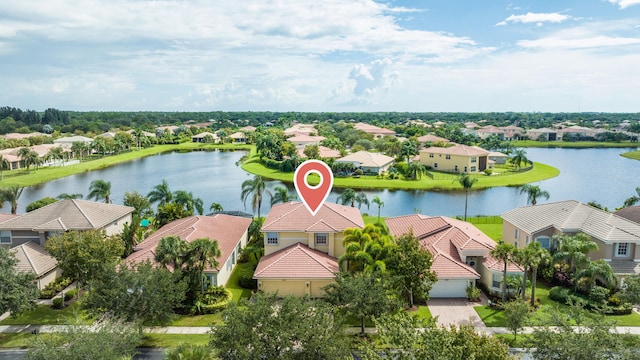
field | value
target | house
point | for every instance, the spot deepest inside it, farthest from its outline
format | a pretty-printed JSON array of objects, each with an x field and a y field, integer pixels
[
  {"x": 631, "y": 213},
  {"x": 34, "y": 258},
  {"x": 62, "y": 216},
  {"x": 19, "y": 136},
  {"x": 461, "y": 253},
  {"x": 325, "y": 153},
  {"x": 69, "y": 140},
  {"x": 11, "y": 155},
  {"x": 498, "y": 157},
  {"x": 302, "y": 140},
  {"x": 618, "y": 238},
  {"x": 238, "y": 137},
  {"x": 427, "y": 140},
  {"x": 376, "y": 131},
  {"x": 230, "y": 232},
  {"x": 248, "y": 128},
  {"x": 512, "y": 132},
  {"x": 457, "y": 158},
  {"x": 544, "y": 134},
  {"x": 489, "y": 130},
  {"x": 368, "y": 162},
  {"x": 298, "y": 129},
  {"x": 301, "y": 250},
  {"x": 205, "y": 137}
]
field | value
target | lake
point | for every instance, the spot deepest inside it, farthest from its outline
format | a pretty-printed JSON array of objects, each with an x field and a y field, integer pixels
[{"x": 600, "y": 175}]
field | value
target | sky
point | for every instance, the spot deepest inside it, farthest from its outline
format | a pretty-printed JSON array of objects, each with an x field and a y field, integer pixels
[{"x": 316, "y": 56}]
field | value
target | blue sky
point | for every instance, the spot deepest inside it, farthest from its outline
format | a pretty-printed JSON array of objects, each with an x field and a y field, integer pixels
[{"x": 330, "y": 55}]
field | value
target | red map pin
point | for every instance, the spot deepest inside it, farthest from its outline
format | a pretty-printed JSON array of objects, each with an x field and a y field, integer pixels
[{"x": 313, "y": 196}]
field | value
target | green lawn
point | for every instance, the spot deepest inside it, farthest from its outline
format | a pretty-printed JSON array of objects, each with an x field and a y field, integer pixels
[
  {"x": 490, "y": 225},
  {"x": 173, "y": 340},
  {"x": 46, "y": 315},
  {"x": 16, "y": 340},
  {"x": 232, "y": 284},
  {"x": 632, "y": 155},
  {"x": 198, "y": 320},
  {"x": 422, "y": 312}
]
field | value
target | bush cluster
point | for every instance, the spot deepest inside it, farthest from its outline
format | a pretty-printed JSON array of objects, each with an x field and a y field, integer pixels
[
  {"x": 214, "y": 299},
  {"x": 55, "y": 287},
  {"x": 594, "y": 302},
  {"x": 246, "y": 280}
]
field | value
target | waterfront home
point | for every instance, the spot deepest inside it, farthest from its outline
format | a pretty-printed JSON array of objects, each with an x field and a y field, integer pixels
[
  {"x": 461, "y": 253},
  {"x": 618, "y": 238},
  {"x": 230, "y": 232},
  {"x": 68, "y": 141},
  {"x": 368, "y": 162},
  {"x": 302, "y": 140},
  {"x": 301, "y": 250},
  {"x": 32, "y": 257},
  {"x": 457, "y": 159},
  {"x": 205, "y": 137}
]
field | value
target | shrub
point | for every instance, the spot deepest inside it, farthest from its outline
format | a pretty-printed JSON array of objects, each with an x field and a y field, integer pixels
[
  {"x": 614, "y": 300},
  {"x": 246, "y": 280},
  {"x": 55, "y": 287},
  {"x": 70, "y": 294},
  {"x": 214, "y": 299},
  {"x": 473, "y": 293},
  {"x": 58, "y": 303},
  {"x": 599, "y": 294},
  {"x": 47, "y": 293},
  {"x": 488, "y": 171}
]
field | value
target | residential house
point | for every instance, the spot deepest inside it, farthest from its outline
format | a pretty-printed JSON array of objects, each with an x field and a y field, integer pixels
[
  {"x": 512, "y": 132},
  {"x": 631, "y": 213},
  {"x": 298, "y": 129},
  {"x": 457, "y": 159},
  {"x": 376, "y": 131},
  {"x": 498, "y": 157},
  {"x": 301, "y": 251},
  {"x": 62, "y": 216},
  {"x": 68, "y": 141},
  {"x": 34, "y": 258},
  {"x": 461, "y": 253},
  {"x": 11, "y": 155},
  {"x": 230, "y": 232},
  {"x": 544, "y": 134},
  {"x": 20, "y": 136},
  {"x": 248, "y": 128},
  {"x": 489, "y": 130},
  {"x": 205, "y": 137},
  {"x": 618, "y": 239},
  {"x": 368, "y": 162},
  {"x": 325, "y": 153},
  {"x": 429, "y": 139},
  {"x": 238, "y": 137},
  {"x": 302, "y": 140}
]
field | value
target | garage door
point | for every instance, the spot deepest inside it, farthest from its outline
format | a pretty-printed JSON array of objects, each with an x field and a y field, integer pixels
[{"x": 449, "y": 289}]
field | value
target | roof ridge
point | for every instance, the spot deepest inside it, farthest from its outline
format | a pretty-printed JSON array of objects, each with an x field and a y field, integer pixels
[
  {"x": 286, "y": 251},
  {"x": 75, "y": 203},
  {"x": 330, "y": 207},
  {"x": 294, "y": 207},
  {"x": 309, "y": 253},
  {"x": 26, "y": 254},
  {"x": 321, "y": 221}
]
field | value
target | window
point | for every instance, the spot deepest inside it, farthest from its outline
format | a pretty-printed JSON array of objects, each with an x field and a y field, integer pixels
[
  {"x": 473, "y": 169},
  {"x": 435, "y": 165},
  {"x": 474, "y": 159},
  {"x": 527, "y": 240},
  {"x": 448, "y": 157},
  {"x": 496, "y": 280},
  {"x": 321, "y": 238},
  {"x": 515, "y": 243},
  {"x": 272, "y": 238},
  {"x": 455, "y": 168},
  {"x": 545, "y": 242},
  {"x": 5, "y": 237},
  {"x": 517, "y": 234},
  {"x": 430, "y": 155},
  {"x": 622, "y": 249}
]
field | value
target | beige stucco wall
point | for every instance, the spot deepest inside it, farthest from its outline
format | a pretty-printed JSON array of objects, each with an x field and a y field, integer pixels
[
  {"x": 116, "y": 227},
  {"x": 295, "y": 287},
  {"x": 449, "y": 165},
  {"x": 335, "y": 247},
  {"x": 49, "y": 277}
]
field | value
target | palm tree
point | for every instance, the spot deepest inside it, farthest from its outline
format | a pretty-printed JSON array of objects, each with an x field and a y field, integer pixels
[
  {"x": 137, "y": 134},
  {"x": 187, "y": 200},
  {"x": 598, "y": 269},
  {"x": 519, "y": 157},
  {"x": 56, "y": 153},
  {"x": 100, "y": 190},
  {"x": 366, "y": 249},
  {"x": 4, "y": 165},
  {"x": 281, "y": 195},
  {"x": 574, "y": 251},
  {"x": 65, "y": 196},
  {"x": 255, "y": 187},
  {"x": 216, "y": 207},
  {"x": 23, "y": 153},
  {"x": 361, "y": 198},
  {"x": 416, "y": 170},
  {"x": 348, "y": 196},
  {"x": 538, "y": 256},
  {"x": 466, "y": 181},
  {"x": 170, "y": 250},
  {"x": 160, "y": 194},
  {"x": 376, "y": 200},
  {"x": 11, "y": 195},
  {"x": 504, "y": 252},
  {"x": 79, "y": 148},
  {"x": 633, "y": 199},
  {"x": 202, "y": 252},
  {"x": 533, "y": 193}
]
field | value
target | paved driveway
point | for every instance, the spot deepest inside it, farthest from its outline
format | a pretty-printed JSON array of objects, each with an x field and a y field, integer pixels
[{"x": 456, "y": 312}]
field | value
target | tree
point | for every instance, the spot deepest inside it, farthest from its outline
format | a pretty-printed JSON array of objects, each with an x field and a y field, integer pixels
[
  {"x": 312, "y": 151},
  {"x": 281, "y": 195},
  {"x": 537, "y": 257},
  {"x": 79, "y": 149},
  {"x": 376, "y": 200},
  {"x": 40, "y": 203},
  {"x": 630, "y": 289},
  {"x": 598, "y": 269},
  {"x": 105, "y": 340},
  {"x": 168, "y": 213},
  {"x": 18, "y": 290},
  {"x": 533, "y": 193},
  {"x": 519, "y": 156},
  {"x": 409, "y": 149},
  {"x": 633, "y": 199},
  {"x": 366, "y": 249},
  {"x": 516, "y": 313},
  {"x": 4, "y": 165},
  {"x": 23, "y": 154},
  {"x": 466, "y": 181},
  {"x": 139, "y": 292},
  {"x": 291, "y": 328},
  {"x": 254, "y": 188},
  {"x": 141, "y": 205},
  {"x": 65, "y": 196},
  {"x": 503, "y": 252},
  {"x": 100, "y": 190},
  {"x": 55, "y": 153},
  {"x": 361, "y": 295},
  {"x": 407, "y": 337},
  {"x": 83, "y": 255},
  {"x": 416, "y": 170},
  {"x": 361, "y": 198},
  {"x": 11, "y": 195},
  {"x": 186, "y": 199},
  {"x": 574, "y": 250},
  {"x": 411, "y": 268},
  {"x": 186, "y": 351},
  {"x": 348, "y": 196},
  {"x": 216, "y": 207},
  {"x": 160, "y": 194}
]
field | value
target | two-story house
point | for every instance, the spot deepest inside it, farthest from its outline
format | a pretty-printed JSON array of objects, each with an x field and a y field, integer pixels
[
  {"x": 618, "y": 239},
  {"x": 301, "y": 250},
  {"x": 457, "y": 159}
]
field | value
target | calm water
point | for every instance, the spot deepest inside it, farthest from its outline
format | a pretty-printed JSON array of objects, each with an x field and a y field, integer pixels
[{"x": 599, "y": 175}]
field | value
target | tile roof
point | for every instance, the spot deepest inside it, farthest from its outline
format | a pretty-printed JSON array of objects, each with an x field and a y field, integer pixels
[
  {"x": 225, "y": 229},
  {"x": 325, "y": 152},
  {"x": 305, "y": 138},
  {"x": 297, "y": 261},
  {"x": 431, "y": 138},
  {"x": 445, "y": 238},
  {"x": 573, "y": 216},
  {"x": 456, "y": 149},
  {"x": 294, "y": 216},
  {"x": 70, "y": 214},
  {"x": 34, "y": 258},
  {"x": 72, "y": 139},
  {"x": 367, "y": 159},
  {"x": 372, "y": 129},
  {"x": 631, "y": 213}
]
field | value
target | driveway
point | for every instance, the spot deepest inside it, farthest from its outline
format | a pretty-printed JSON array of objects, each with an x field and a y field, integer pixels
[{"x": 456, "y": 312}]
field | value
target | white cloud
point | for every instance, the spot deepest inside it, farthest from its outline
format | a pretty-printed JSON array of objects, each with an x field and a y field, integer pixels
[
  {"x": 580, "y": 43},
  {"x": 624, "y": 3},
  {"x": 537, "y": 18}
]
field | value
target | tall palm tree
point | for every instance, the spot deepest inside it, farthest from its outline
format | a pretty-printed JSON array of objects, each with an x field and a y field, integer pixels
[
  {"x": 65, "y": 196},
  {"x": 598, "y": 269},
  {"x": 23, "y": 153},
  {"x": 4, "y": 165},
  {"x": 376, "y": 200},
  {"x": 56, "y": 153},
  {"x": 503, "y": 252},
  {"x": 348, "y": 196},
  {"x": 466, "y": 181},
  {"x": 633, "y": 199},
  {"x": 533, "y": 193},
  {"x": 33, "y": 159},
  {"x": 170, "y": 251},
  {"x": 79, "y": 148},
  {"x": 100, "y": 190},
  {"x": 574, "y": 250},
  {"x": 255, "y": 188},
  {"x": 519, "y": 156},
  {"x": 11, "y": 195},
  {"x": 416, "y": 170},
  {"x": 538, "y": 256},
  {"x": 160, "y": 194},
  {"x": 202, "y": 252},
  {"x": 186, "y": 199},
  {"x": 361, "y": 198},
  {"x": 216, "y": 207},
  {"x": 281, "y": 195}
]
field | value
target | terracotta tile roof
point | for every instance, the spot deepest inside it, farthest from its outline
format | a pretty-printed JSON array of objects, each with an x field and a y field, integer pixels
[
  {"x": 294, "y": 216},
  {"x": 367, "y": 159},
  {"x": 23, "y": 136},
  {"x": 34, "y": 258},
  {"x": 372, "y": 129},
  {"x": 297, "y": 261},
  {"x": 225, "y": 229},
  {"x": 305, "y": 138},
  {"x": 573, "y": 216},
  {"x": 497, "y": 265},
  {"x": 457, "y": 149},
  {"x": 325, "y": 152},
  {"x": 431, "y": 138},
  {"x": 68, "y": 215}
]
